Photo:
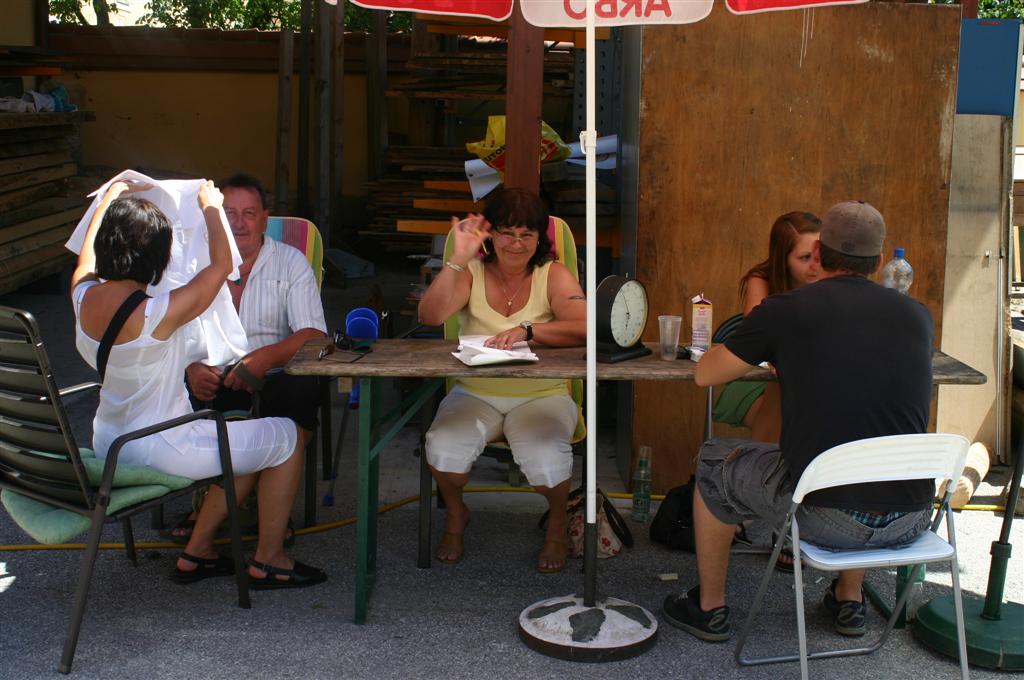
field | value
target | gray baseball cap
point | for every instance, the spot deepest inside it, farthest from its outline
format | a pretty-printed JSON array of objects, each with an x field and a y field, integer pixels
[{"x": 853, "y": 228}]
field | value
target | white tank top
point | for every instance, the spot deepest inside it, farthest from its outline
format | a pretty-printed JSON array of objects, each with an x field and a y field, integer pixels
[{"x": 145, "y": 380}]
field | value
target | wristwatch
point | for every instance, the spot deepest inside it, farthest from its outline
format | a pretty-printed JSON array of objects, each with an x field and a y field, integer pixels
[{"x": 528, "y": 327}]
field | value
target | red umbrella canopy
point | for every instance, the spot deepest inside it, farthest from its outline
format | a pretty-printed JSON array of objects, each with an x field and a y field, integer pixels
[{"x": 572, "y": 13}]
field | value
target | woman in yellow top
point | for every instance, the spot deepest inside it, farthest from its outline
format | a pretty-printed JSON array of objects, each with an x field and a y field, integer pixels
[{"x": 514, "y": 292}]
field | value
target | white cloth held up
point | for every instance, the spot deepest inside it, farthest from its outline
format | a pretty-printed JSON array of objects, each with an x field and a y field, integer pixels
[{"x": 216, "y": 337}]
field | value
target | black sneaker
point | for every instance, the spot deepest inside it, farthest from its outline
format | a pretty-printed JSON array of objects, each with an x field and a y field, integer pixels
[
  {"x": 683, "y": 611},
  {"x": 847, "y": 615}
]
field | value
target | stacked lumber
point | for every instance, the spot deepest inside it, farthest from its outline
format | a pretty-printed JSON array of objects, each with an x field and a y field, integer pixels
[
  {"x": 419, "y": 184},
  {"x": 40, "y": 202},
  {"x": 568, "y": 196},
  {"x": 478, "y": 74}
]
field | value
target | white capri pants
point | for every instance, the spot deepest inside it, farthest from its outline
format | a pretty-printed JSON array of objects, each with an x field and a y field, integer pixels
[
  {"x": 538, "y": 430},
  {"x": 256, "y": 444}
]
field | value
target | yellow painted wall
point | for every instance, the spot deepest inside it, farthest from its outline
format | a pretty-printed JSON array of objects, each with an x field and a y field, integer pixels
[
  {"x": 17, "y": 27},
  {"x": 204, "y": 124}
]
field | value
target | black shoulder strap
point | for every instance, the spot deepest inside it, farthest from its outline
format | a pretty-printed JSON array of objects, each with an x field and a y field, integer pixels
[{"x": 116, "y": 324}]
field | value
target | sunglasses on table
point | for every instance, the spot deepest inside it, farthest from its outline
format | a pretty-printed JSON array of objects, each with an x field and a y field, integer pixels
[{"x": 340, "y": 342}]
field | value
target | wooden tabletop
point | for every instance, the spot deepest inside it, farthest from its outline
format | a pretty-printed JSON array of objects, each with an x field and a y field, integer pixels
[{"x": 433, "y": 359}]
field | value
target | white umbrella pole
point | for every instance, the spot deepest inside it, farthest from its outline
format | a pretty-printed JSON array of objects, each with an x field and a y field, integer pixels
[
  {"x": 570, "y": 627},
  {"x": 588, "y": 140}
]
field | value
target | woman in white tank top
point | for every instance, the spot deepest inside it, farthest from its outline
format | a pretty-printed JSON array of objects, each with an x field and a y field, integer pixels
[
  {"x": 514, "y": 293},
  {"x": 127, "y": 248}
]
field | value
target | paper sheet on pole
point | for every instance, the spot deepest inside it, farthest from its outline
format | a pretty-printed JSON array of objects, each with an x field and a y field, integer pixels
[{"x": 216, "y": 337}]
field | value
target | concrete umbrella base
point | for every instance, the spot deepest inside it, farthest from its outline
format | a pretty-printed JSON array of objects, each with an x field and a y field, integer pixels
[{"x": 611, "y": 630}]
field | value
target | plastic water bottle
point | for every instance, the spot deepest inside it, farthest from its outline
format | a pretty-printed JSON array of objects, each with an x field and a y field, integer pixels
[
  {"x": 897, "y": 273},
  {"x": 642, "y": 486}
]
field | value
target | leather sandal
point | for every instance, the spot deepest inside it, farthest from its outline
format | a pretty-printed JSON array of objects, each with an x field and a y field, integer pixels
[
  {"x": 545, "y": 555},
  {"x": 205, "y": 568},
  {"x": 785, "y": 561},
  {"x": 299, "y": 576},
  {"x": 455, "y": 547}
]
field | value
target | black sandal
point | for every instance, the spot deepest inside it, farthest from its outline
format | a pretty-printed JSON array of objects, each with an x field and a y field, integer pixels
[
  {"x": 784, "y": 563},
  {"x": 299, "y": 576},
  {"x": 205, "y": 568}
]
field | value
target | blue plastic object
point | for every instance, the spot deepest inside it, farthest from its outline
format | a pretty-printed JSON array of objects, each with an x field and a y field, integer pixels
[{"x": 362, "y": 313}]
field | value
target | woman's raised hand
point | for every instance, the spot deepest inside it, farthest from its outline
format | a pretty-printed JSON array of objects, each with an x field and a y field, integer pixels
[
  {"x": 210, "y": 196},
  {"x": 469, "y": 234},
  {"x": 120, "y": 188}
]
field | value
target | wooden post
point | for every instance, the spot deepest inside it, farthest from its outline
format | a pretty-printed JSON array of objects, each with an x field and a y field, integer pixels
[
  {"x": 302, "y": 197},
  {"x": 285, "y": 66},
  {"x": 376, "y": 83},
  {"x": 42, "y": 23},
  {"x": 338, "y": 108},
  {"x": 324, "y": 116},
  {"x": 524, "y": 92}
]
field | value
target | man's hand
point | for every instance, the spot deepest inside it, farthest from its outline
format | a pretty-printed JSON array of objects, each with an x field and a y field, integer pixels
[
  {"x": 257, "y": 363},
  {"x": 203, "y": 380}
]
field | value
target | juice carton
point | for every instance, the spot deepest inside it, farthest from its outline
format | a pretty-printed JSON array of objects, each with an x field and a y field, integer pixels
[{"x": 701, "y": 322}]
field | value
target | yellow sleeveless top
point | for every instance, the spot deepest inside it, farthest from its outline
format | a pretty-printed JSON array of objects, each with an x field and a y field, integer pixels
[{"x": 479, "y": 318}]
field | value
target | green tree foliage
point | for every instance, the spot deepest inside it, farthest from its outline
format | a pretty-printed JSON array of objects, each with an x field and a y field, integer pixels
[
  {"x": 70, "y": 11},
  {"x": 994, "y": 9},
  {"x": 225, "y": 14}
]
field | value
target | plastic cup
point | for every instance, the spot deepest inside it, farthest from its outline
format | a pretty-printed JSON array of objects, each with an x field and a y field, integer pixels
[{"x": 668, "y": 327}]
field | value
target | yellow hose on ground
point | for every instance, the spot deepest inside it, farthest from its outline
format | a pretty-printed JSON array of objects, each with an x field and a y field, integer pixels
[{"x": 320, "y": 528}]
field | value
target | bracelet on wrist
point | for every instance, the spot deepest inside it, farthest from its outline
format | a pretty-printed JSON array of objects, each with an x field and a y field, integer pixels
[{"x": 454, "y": 267}]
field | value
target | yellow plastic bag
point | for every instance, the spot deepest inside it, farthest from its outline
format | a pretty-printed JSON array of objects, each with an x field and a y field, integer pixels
[{"x": 492, "y": 149}]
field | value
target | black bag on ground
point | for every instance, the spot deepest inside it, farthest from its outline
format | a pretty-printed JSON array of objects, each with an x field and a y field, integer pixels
[{"x": 672, "y": 525}]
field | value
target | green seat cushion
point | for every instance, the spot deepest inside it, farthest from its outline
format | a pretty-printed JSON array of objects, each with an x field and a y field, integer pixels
[
  {"x": 735, "y": 400},
  {"x": 48, "y": 524}
]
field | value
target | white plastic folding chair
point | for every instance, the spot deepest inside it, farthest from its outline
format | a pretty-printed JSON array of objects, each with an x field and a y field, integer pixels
[{"x": 880, "y": 459}]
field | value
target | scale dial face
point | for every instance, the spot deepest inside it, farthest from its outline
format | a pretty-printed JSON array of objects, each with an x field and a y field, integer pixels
[{"x": 628, "y": 314}]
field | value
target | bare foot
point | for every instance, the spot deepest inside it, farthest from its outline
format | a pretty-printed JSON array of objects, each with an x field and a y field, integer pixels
[{"x": 451, "y": 548}]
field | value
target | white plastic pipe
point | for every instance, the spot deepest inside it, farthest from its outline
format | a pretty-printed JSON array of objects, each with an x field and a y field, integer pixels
[{"x": 588, "y": 140}]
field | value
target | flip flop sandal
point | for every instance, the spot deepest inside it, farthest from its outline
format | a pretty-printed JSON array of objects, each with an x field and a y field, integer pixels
[
  {"x": 299, "y": 576},
  {"x": 458, "y": 547},
  {"x": 786, "y": 567},
  {"x": 741, "y": 538},
  {"x": 205, "y": 568},
  {"x": 565, "y": 559}
]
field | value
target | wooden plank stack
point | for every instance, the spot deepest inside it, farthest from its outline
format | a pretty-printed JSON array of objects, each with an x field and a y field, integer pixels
[
  {"x": 40, "y": 203},
  {"x": 415, "y": 179}
]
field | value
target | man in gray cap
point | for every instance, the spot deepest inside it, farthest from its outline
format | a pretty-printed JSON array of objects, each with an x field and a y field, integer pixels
[{"x": 853, "y": 361}]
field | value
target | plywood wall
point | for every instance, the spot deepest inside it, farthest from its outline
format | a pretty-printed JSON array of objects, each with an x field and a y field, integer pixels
[{"x": 745, "y": 118}]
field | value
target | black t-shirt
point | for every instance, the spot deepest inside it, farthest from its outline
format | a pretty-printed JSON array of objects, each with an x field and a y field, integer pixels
[{"x": 854, "y": 360}]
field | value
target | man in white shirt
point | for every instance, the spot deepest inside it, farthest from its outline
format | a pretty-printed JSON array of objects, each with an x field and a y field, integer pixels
[{"x": 278, "y": 302}]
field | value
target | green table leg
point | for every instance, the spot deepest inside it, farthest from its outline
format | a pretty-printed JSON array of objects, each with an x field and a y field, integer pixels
[
  {"x": 366, "y": 494},
  {"x": 371, "y": 444}
]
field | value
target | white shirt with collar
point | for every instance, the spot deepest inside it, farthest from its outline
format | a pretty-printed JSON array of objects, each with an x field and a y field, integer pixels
[{"x": 280, "y": 297}]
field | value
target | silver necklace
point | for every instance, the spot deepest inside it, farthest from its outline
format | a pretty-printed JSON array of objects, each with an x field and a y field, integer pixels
[{"x": 509, "y": 299}]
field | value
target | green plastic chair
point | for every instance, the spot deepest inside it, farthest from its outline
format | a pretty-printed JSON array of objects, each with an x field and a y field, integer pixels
[{"x": 55, "y": 491}]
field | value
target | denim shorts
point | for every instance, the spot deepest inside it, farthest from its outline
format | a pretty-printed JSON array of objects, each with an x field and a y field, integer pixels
[{"x": 741, "y": 480}]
